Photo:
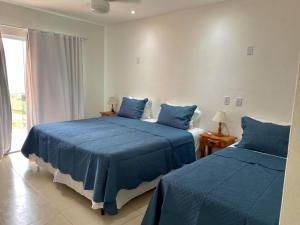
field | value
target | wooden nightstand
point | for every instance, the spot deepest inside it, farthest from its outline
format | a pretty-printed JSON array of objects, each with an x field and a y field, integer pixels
[
  {"x": 211, "y": 141},
  {"x": 109, "y": 113}
]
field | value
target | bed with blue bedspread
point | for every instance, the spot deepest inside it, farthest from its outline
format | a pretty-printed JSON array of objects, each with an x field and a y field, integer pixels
[
  {"x": 110, "y": 153},
  {"x": 231, "y": 187}
]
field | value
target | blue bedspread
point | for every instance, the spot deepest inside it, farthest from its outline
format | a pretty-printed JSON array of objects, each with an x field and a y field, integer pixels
[
  {"x": 230, "y": 187},
  {"x": 111, "y": 153}
]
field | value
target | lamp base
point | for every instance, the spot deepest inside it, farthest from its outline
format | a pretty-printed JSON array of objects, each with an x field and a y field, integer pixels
[
  {"x": 220, "y": 134},
  {"x": 112, "y": 109}
]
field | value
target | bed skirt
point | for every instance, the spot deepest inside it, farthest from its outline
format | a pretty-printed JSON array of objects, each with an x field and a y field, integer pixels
[{"x": 123, "y": 196}]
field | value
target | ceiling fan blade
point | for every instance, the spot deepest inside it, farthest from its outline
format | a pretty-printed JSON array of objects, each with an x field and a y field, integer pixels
[
  {"x": 127, "y": 1},
  {"x": 101, "y": 6}
]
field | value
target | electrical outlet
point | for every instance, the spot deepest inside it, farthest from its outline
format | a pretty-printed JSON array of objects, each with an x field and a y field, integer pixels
[
  {"x": 239, "y": 102},
  {"x": 227, "y": 100}
]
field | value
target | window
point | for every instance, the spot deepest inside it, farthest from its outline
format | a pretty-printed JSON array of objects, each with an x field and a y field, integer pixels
[{"x": 15, "y": 49}]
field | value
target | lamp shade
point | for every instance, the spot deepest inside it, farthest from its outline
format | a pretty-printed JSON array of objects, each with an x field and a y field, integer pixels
[
  {"x": 220, "y": 117},
  {"x": 112, "y": 101}
]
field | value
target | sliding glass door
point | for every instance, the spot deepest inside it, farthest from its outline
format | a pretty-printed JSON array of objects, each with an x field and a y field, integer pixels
[{"x": 15, "y": 62}]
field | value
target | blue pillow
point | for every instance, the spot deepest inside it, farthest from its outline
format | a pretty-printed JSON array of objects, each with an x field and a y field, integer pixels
[
  {"x": 176, "y": 116},
  {"x": 264, "y": 137},
  {"x": 132, "y": 108}
]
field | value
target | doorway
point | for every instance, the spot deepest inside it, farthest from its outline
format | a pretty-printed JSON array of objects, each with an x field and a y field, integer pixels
[{"x": 15, "y": 52}]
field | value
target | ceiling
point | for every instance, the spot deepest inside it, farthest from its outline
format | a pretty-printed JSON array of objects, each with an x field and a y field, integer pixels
[{"x": 120, "y": 11}]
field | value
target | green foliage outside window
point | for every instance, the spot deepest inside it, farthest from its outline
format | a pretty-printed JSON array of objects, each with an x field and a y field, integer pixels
[{"x": 18, "y": 104}]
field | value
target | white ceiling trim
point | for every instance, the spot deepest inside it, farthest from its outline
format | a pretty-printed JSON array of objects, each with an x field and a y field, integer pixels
[
  {"x": 55, "y": 13},
  {"x": 79, "y": 10}
]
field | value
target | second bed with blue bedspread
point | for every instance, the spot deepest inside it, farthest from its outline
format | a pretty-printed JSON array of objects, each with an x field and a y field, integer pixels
[
  {"x": 231, "y": 187},
  {"x": 111, "y": 153}
]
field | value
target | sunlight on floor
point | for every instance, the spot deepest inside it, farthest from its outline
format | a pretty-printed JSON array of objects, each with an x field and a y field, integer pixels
[{"x": 18, "y": 138}]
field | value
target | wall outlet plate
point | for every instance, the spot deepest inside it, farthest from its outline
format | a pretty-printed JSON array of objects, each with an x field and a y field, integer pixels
[
  {"x": 239, "y": 102},
  {"x": 227, "y": 100}
]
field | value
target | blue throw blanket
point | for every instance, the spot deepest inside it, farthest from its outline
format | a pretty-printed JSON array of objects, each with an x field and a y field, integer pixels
[
  {"x": 111, "y": 153},
  {"x": 230, "y": 187}
]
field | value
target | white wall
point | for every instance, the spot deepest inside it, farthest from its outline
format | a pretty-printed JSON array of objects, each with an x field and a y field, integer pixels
[
  {"x": 93, "y": 46},
  {"x": 199, "y": 56},
  {"x": 291, "y": 197}
]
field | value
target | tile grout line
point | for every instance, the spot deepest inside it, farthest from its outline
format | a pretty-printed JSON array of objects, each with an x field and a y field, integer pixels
[
  {"x": 133, "y": 218},
  {"x": 35, "y": 192},
  {"x": 66, "y": 218},
  {"x": 47, "y": 202}
]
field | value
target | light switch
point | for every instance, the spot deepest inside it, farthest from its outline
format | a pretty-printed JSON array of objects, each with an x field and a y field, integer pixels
[
  {"x": 227, "y": 100},
  {"x": 239, "y": 102},
  {"x": 250, "y": 51}
]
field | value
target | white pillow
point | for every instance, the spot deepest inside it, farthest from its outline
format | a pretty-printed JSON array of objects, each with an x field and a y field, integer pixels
[
  {"x": 195, "y": 119},
  {"x": 148, "y": 114}
]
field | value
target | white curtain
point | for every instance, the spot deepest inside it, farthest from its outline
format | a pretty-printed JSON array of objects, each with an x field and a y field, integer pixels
[
  {"x": 54, "y": 77},
  {"x": 5, "y": 107}
]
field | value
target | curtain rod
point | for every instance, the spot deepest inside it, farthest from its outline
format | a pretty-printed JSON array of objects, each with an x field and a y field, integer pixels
[{"x": 46, "y": 31}]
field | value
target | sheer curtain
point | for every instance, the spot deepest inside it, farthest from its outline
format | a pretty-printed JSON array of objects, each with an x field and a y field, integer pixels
[
  {"x": 54, "y": 77},
  {"x": 5, "y": 107}
]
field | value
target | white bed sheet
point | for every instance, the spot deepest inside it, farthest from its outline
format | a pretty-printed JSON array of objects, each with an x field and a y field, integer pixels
[
  {"x": 196, "y": 132},
  {"x": 234, "y": 146}
]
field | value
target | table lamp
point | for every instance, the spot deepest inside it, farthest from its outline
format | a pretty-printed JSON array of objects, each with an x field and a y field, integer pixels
[
  {"x": 112, "y": 101},
  {"x": 220, "y": 118}
]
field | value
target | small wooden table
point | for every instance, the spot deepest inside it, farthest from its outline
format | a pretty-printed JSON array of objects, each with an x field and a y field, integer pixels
[
  {"x": 211, "y": 141},
  {"x": 109, "y": 113}
]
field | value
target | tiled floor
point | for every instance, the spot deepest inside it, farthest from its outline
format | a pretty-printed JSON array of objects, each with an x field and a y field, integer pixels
[{"x": 28, "y": 197}]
